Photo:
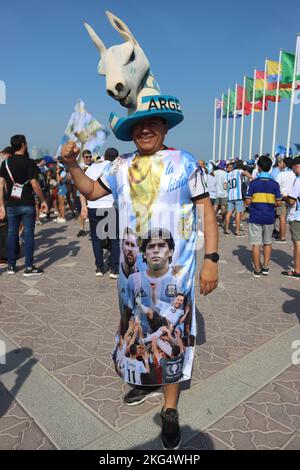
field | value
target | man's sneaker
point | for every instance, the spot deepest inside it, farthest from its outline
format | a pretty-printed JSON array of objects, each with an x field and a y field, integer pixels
[
  {"x": 33, "y": 271},
  {"x": 264, "y": 270},
  {"x": 239, "y": 234},
  {"x": 114, "y": 275},
  {"x": 60, "y": 220},
  {"x": 135, "y": 396},
  {"x": 38, "y": 222},
  {"x": 280, "y": 240},
  {"x": 81, "y": 233},
  {"x": 292, "y": 274},
  {"x": 42, "y": 215},
  {"x": 99, "y": 272},
  {"x": 171, "y": 435},
  {"x": 11, "y": 270},
  {"x": 257, "y": 273}
]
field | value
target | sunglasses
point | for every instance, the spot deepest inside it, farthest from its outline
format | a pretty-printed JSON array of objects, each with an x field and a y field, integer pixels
[{"x": 87, "y": 156}]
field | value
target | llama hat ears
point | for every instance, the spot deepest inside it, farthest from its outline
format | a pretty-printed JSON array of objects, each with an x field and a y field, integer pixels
[{"x": 121, "y": 27}]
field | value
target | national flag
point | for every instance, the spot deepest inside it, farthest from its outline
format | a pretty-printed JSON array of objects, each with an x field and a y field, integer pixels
[
  {"x": 239, "y": 102},
  {"x": 273, "y": 71},
  {"x": 260, "y": 84},
  {"x": 249, "y": 96},
  {"x": 297, "y": 71},
  {"x": 218, "y": 108},
  {"x": 85, "y": 130},
  {"x": 288, "y": 62}
]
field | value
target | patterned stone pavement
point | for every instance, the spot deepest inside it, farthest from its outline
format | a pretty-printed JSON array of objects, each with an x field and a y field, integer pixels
[
  {"x": 68, "y": 317},
  {"x": 269, "y": 419},
  {"x": 18, "y": 431}
]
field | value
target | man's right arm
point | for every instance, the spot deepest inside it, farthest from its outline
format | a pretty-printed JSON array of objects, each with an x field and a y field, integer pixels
[{"x": 86, "y": 186}]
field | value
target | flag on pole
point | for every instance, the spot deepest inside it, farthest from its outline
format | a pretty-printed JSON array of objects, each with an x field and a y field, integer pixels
[
  {"x": 260, "y": 84},
  {"x": 218, "y": 108},
  {"x": 272, "y": 78},
  {"x": 297, "y": 66},
  {"x": 249, "y": 96},
  {"x": 239, "y": 102},
  {"x": 85, "y": 130},
  {"x": 2, "y": 92}
]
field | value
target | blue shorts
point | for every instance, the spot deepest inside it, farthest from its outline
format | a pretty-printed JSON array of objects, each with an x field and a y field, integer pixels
[
  {"x": 238, "y": 205},
  {"x": 62, "y": 189}
]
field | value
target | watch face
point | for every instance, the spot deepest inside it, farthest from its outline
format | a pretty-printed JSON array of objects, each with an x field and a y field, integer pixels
[{"x": 215, "y": 257}]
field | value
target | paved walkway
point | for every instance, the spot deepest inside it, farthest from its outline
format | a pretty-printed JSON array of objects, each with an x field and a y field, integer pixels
[{"x": 59, "y": 388}]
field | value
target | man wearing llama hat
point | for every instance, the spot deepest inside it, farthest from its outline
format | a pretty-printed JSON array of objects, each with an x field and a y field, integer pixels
[{"x": 157, "y": 191}]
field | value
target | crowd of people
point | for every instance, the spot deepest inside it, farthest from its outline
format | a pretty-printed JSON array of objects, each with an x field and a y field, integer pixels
[
  {"x": 35, "y": 191},
  {"x": 269, "y": 190}
]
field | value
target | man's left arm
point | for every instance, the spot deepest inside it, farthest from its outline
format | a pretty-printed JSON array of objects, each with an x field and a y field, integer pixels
[{"x": 209, "y": 271}]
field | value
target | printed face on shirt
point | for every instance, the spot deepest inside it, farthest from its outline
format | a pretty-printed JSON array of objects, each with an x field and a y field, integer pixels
[
  {"x": 178, "y": 301},
  {"x": 130, "y": 250},
  {"x": 157, "y": 254},
  {"x": 148, "y": 135}
]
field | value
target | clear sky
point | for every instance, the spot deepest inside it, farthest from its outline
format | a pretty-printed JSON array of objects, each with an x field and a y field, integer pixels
[{"x": 196, "y": 50}]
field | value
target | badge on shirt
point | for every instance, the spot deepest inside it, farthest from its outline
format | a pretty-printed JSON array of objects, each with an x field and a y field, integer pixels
[
  {"x": 171, "y": 290},
  {"x": 16, "y": 191}
]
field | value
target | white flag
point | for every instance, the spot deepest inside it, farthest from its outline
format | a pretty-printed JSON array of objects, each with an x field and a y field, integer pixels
[
  {"x": 2, "y": 92},
  {"x": 297, "y": 78}
]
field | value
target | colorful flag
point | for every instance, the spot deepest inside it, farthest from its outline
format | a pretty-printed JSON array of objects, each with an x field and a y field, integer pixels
[
  {"x": 297, "y": 71},
  {"x": 239, "y": 102},
  {"x": 249, "y": 96},
  {"x": 288, "y": 62},
  {"x": 273, "y": 71},
  {"x": 260, "y": 84},
  {"x": 85, "y": 130},
  {"x": 218, "y": 108}
]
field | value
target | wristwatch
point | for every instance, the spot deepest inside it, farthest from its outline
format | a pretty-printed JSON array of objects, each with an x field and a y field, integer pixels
[{"x": 213, "y": 257}]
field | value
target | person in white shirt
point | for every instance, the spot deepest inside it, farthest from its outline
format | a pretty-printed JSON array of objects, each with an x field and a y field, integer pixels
[
  {"x": 293, "y": 199},
  {"x": 221, "y": 193},
  {"x": 285, "y": 179},
  {"x": 101, "y": 213}
]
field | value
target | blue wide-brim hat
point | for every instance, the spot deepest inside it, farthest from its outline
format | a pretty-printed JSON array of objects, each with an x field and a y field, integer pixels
[{"x": 163, "y": 106}]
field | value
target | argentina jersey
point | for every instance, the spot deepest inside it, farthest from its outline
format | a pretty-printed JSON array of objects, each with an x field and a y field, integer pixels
[{"x": 234, "y": 185}]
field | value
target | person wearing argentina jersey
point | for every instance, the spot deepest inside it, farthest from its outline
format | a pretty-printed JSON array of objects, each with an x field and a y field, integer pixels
[
  {"x": 233, "y": 185},
  {"x": 293, "y": 200},
  {"x": 157, "y": 190}
]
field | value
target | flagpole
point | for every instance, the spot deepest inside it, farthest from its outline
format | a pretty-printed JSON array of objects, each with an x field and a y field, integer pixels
[
  {"x": 234, "y": 123},
  {"x": 252, "y": 116},
  {"x": 276, "y": 105},
  {"x": 263, "y": 113},
  {"x": 214, "y": 137},
  {"x": 221, "y": 129},
  {"x": 242, "y": 122},
  {"x": 292, "y": 100},
  {"x": 227, "y": 123}
]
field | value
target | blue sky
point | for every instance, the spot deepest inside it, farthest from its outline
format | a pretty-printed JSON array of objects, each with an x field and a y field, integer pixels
[{"x": 196, "y": 50}]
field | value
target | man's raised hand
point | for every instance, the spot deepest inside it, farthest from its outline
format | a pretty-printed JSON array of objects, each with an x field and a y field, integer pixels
[{"x": 69, "y": 153}]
